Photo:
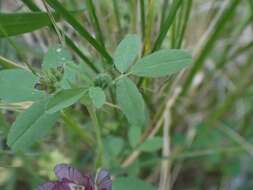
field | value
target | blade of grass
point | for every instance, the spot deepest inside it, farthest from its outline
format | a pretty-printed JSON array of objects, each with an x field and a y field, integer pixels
[
  {"x": 186, "y": 15},
  {"x": 17, "y": 49},
  {"x": 241, "y": 50},
  {"x": 117, "y": 15},
  {"x": 248, "y": 147},
  {"x": 168, "y": 22},
  {"x": 72, "y": 45},
  {"x": 183, "y": 155},
  {"x": 251, "y": 5},
  {"x": 32, "y": 6},
  {"x": 165, "y": 6},
  {"x": 214, "y": 34},
  {"x": 229, "y": 52},
  {"x": 143, "y": 18},
  {"x": 8, "y": 64},
  {"x": 80, "y": 29},
  {"x": 94, "y": 19},
  {"x": 234, "y": 95},
  {"x": 148, "y": 27},
  {"x": 174, "y": 29},
  {"x": 54, "y": 25},
  {"x": 133, "y": 8}
]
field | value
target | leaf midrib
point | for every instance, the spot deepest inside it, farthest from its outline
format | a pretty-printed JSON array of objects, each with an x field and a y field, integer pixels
[{"x": 27, "y": 128}]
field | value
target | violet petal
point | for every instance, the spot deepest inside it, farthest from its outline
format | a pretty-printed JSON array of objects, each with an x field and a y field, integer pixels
[
  {"x": 65, "y": 171},
  {"x": 46, "y": 186},
  {"x": 103, "y": 180},
  {"x": 61, "y": 186},
  {"x": 88, "y": 182}
]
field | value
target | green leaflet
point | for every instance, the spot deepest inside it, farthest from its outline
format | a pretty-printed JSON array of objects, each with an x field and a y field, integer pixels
[
  {"x": 59, "y": 58},
  {"x": 17, "y": 85},
  {"x": 114, "y": 145},
  {"x": 56, "y": 56},
  {"x": 162, "y": 63},
  {"x": 152, "y": 145},
  {"x": 134, "y": 136},
  {"x": 127, "y": 183},
  {"x": 30, "y": 126},
  {"x": 97, "y": 96},
  {"x": 131, "y": 101},
  {"x": 126, "y": 52},
  {"x": 12, "y": 24},
  {"x": 64, "y": 99}
]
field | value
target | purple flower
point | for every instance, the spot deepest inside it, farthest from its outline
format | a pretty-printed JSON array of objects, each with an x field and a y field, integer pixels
[{"x": 70, "y": 178}]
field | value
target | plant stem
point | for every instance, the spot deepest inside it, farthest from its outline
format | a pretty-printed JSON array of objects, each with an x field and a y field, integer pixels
[
  {"x": 165, "y": 171},
  {"x": 69, "y": 121},
  {"x": 100, "y": 147}
]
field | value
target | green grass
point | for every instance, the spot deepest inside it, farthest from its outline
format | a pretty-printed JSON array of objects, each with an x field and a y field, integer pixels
[{"x": 196, "y": 121}]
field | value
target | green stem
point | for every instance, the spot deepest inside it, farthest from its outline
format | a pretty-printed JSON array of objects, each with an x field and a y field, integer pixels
[
  {"x": 100, "y": 148},
  {"x": 69, "y": 121}
]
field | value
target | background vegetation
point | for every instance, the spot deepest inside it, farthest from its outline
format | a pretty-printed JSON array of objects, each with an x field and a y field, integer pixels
[{"x": 198, "y": 134}]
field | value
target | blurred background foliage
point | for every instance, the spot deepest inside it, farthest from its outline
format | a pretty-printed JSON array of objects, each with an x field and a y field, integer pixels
[{"x": 211, "y": 119}]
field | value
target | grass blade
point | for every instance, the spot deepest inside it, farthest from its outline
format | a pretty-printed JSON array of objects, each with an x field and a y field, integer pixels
[
  {"x": 148, "y": 27},
  {"x": 217, "y": 29},
  {"x": 164, "y": 11},
  {"x": 20, "y": 23},
  {"x": 117, "y": 15},
  {"x": 186, "y": 15},
  {"x": 95, "y": 21},
  {"x": 143, "y": 18},
  {"x": 72, "y": 45},
  {"x": 32, "y": 6},
  {"x": 8, "y": 64},
  {"x": 168, "y": 22},
  {"x": 79, "y": 28}
]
